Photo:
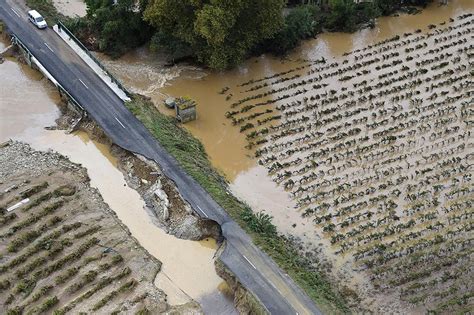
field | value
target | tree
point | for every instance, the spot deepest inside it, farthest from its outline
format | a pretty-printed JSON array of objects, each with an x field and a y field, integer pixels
[
  {"x": 117, "y": 25},
  {"x": 301, "y": 23},
  {"x": 220, "y": 33},
  {"x": 342, "y": 16}
]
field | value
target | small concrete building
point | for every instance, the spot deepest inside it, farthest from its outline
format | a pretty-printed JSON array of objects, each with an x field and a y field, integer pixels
[{"x": 185, "y": 109}]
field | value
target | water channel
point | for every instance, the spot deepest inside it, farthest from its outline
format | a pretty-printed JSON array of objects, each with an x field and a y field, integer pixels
[
  {"x": 144, "y": 73},
  {"x": 27, "y": 105}
]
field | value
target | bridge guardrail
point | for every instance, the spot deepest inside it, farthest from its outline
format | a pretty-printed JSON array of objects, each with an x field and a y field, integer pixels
[
  {"x": 84, "y": 48},
  {"x": 16, "y": 41}
]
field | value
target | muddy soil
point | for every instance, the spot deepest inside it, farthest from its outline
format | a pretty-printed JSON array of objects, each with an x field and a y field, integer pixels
[
  {"x": 52, "y": 259},
  {"x": 189, "y": 270}
]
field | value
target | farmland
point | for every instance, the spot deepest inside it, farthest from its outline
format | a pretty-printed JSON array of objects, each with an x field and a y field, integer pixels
[
  {"x": 375, "y": 151},
  {"x": 64, "y": 250}
]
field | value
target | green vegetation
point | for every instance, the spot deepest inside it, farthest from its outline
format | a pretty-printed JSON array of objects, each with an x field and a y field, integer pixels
[
  {"x": 219, "y": 33},
  {"x": 191, "y": 155},
  {"x": 113, "y": 28},
  {"x": 33, "y": 190},
  {"x": 128, "y": 286},
  {"x": 301, "y": 23}
]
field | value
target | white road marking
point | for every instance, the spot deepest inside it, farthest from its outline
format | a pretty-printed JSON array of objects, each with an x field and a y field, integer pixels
[
  {"x": 48, "y": 47},
  {"x": 120, "y": 122},
  {"x": 202, "y": 211},
  {"x": 250, "y": 262},
  {"x": 86, "y": 87},
  {"x": 15, "y": 12}
]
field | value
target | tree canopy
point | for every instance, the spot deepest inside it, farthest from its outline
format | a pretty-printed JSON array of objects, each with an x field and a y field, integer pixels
[
  {"x": 219, "y": 32},
  {"x": 118, "y": 26}
]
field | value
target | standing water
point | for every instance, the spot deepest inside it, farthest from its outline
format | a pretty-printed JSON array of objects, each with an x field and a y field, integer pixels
[
  {"x": 225, "y": 144},
  {"x": 27, "y": 105},
  {"x": 143, "y": 73}
]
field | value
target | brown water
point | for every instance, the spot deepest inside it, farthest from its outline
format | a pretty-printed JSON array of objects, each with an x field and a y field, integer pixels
[
  {"x": 225, "y": 145},
  {"x": 141, "y": 71},
  {"x": 27, "y": 105}
]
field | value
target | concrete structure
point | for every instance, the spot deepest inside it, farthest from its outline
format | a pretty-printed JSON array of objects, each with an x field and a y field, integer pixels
[
  {"x": 256, "y": 271},
  {"x": 185, "y": 109},
  {"x": 114, "y": 84}
]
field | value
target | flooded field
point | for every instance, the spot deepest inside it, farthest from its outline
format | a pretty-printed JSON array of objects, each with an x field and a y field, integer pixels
[
  {"x": 362, "y": 154},
  {"x": 27, "y": 105},
  {"x": 374, "y": 151}
]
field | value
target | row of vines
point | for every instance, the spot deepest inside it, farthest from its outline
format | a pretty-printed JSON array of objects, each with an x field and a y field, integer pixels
[{"x": 376, "y": 149}]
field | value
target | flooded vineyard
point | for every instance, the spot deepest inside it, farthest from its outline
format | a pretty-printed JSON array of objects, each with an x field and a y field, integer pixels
[
  {"x": 375, "y": 150},
  {"x": 363, "y": 156}
]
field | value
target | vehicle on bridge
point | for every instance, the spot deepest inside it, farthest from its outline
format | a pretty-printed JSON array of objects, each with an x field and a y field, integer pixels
[{"x": 37, "y": 19}]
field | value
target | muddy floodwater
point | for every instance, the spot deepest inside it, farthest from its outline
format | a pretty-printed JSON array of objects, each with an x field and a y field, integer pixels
[
  {"x": 143, "y": 73},
  {"x": 226, "y": 145},
  {"x": 27, "y": 105}
]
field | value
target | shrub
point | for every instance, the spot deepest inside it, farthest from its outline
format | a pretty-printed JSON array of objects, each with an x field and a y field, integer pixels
[
  {"x": 301, "y": 23},
  {"x": 66, "y": 275}
]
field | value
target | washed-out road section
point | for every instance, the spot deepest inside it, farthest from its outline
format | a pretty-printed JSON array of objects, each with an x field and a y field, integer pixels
[{"x": 254, "y": 269}]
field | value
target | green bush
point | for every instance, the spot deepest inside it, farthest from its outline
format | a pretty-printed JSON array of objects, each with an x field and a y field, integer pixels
[
  {"x": 342, "y": 16},
  {"x": 116, "y": 26},
  {"x": 301, "y": 23}
]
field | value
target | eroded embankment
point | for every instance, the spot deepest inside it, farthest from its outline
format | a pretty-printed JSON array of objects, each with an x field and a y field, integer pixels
[
  {"x": 63, "y": 249},
  {"x": 187, "y": 265},
  {"x": 172, "y": 213}
]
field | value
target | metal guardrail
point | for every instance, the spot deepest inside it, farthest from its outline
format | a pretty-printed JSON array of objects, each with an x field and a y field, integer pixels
[
  {"x": 62, "y": 27},
  {"x": 16, "y": 41}
]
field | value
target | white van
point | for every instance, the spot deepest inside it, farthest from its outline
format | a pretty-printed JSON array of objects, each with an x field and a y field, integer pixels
[{"x": 37, "y": 19}]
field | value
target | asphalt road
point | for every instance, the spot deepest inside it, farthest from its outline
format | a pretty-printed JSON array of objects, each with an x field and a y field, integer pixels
[{"x": 254, "y": 269}]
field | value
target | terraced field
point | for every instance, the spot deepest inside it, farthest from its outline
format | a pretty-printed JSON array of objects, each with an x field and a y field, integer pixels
[
  {"x": 62, "y": 249},
  {"x": 375, "y": 150}
]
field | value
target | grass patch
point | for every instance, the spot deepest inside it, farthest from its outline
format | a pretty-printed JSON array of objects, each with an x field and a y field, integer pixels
[
  {"x": 66, "y": 275},
  {"x": 45, "y": 243},
  {"x": 190, "y": 154},
  {"x": 5, "y": 220},
  {"x": 41, "y": 292},
  {"x": 36, "y": 217},
  {"x": 46, "y": 305},
  {"x": 83, "y": 281},
  {"x": 102, "y": 283}
]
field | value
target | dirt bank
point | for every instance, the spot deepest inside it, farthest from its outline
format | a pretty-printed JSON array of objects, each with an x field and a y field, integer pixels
[
  {"x": 160, "y": 194},
  {"x": 188, "y": 266},
  {"x": 65, "y": 249},
  {"x": 172, "y": 212}
]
